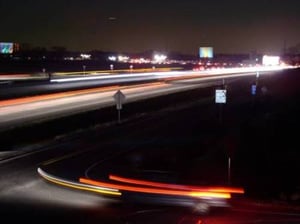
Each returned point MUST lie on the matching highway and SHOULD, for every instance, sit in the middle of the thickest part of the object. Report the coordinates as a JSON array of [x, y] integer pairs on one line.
[[22, 85], [26, 110], [182, 141]]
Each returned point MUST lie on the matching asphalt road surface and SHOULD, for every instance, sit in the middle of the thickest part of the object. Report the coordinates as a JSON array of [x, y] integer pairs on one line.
[[185, 143]]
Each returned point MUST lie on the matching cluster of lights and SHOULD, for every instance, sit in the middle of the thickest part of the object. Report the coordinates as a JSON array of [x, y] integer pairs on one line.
[[112, 58], [119, 58], [157, 59], [85, 56], [140, 61], [78, 58]]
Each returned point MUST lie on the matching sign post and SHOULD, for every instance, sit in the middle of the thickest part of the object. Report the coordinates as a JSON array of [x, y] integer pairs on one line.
[[120, 99], [83, 67], [229, 170]]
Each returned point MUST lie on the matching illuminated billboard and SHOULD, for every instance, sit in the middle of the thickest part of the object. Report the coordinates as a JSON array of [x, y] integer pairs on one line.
[[270, 60], [6, 48], [206, 52]]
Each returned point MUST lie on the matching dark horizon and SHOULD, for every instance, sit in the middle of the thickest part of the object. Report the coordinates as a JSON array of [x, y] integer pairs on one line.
[[264, 26]]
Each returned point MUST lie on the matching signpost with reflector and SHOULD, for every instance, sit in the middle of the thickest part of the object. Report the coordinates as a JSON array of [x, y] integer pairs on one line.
[[120, 99]]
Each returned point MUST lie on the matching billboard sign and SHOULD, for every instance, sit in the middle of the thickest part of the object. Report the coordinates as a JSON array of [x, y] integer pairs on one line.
[[270, 60], [206, 52], [6, 48]]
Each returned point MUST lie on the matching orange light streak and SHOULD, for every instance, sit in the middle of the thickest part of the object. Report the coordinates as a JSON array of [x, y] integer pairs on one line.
[[32, 99], [7, 76], [175, 186], [156, 190]]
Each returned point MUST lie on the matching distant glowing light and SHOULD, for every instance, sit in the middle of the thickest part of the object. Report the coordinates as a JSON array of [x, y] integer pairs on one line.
[[270, 60], [206, 52], [6, 48], [159, 58], [85, 56], [112, 58], [69, 58], [122, 58], [139, 60]]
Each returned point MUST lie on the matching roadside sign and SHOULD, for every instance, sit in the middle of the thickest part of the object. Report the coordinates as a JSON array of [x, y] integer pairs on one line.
[[253, 89], [119, 98], [220, 95]]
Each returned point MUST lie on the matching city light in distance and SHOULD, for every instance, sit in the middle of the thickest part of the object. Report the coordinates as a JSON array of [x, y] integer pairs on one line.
[[159, 58]]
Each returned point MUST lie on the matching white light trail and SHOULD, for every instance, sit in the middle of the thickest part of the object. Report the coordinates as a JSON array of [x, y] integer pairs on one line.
[[172, 74]]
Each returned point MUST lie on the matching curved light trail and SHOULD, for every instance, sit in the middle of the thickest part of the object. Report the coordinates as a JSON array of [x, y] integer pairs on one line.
[[176, 186], [161, 191], [76, 185]]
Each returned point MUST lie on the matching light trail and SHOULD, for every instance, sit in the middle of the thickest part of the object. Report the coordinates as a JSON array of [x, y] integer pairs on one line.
[[52, 96], [97, 72], [76, 185], [130, 76], [164, 76], [14, 76], [22, 111], [175, 186], [174, 74], [152, 190]]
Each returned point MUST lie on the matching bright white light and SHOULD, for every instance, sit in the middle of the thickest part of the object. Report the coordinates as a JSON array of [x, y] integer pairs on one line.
[[122, 58], [159, 58], [170, 74], [270, 60], [69, 58], [112, 58], [85, 56]]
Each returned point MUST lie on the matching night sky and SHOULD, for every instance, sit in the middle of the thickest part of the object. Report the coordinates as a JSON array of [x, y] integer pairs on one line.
[[230, 26]]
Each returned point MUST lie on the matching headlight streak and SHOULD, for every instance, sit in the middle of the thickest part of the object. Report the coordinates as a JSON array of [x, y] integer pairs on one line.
[[115, 71], [76, 185], [125, 75], [171, 74], [164, 76]]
